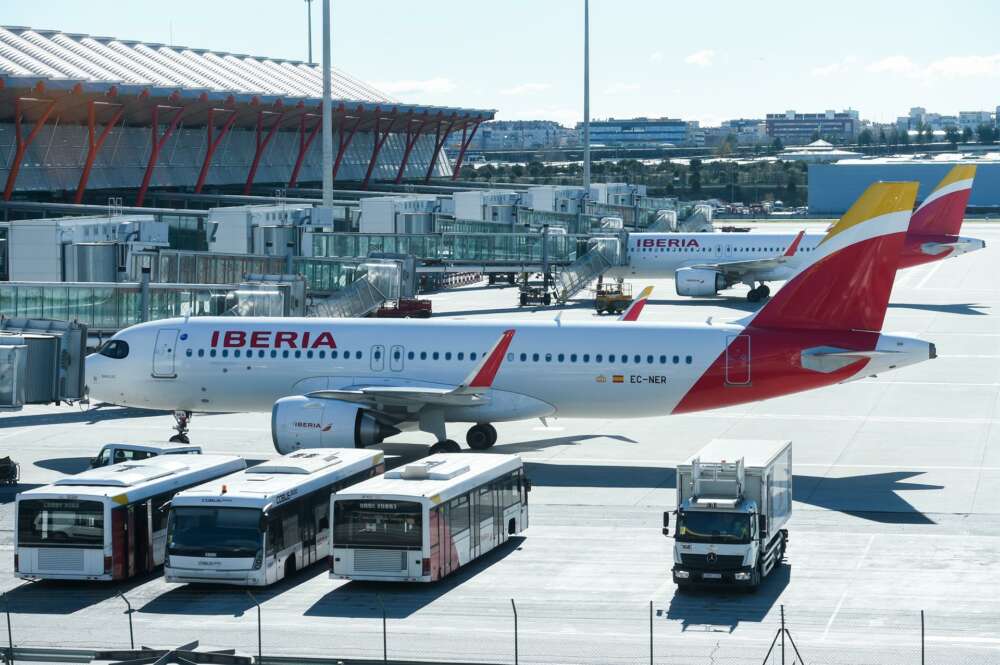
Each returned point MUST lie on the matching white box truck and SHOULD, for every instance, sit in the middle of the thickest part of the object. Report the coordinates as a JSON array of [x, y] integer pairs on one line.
[[734, 498]]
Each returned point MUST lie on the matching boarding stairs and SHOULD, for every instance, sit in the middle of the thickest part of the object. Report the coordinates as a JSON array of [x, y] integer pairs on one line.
[[376, 283], [602, 254]]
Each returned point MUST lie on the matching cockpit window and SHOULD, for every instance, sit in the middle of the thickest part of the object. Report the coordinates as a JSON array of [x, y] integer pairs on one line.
[[115, 348]]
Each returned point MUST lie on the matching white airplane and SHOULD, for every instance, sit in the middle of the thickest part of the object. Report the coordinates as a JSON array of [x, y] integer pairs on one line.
[[702, 264], [354, 382]]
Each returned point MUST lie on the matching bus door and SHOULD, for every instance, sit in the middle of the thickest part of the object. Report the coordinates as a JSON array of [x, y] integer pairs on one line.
[[486, 521], [440, 545], [473, 524], [396, 358], [378, 358], [164, 352], [307, 524], [141, 544]]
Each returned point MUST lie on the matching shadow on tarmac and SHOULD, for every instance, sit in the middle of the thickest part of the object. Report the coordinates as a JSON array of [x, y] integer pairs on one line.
[[221, 600], [9, 492], [69, 596], [871, 497], [722, 610], [68, 465], [75, 415], [365, 599], [963, 308]]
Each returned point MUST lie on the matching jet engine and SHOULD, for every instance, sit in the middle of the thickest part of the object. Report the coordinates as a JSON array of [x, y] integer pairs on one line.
[[698, 282], [306, 422]]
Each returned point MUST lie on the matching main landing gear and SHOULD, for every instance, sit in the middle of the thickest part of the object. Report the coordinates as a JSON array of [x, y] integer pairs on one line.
[[481, 436], [759, 293], [182, 418]]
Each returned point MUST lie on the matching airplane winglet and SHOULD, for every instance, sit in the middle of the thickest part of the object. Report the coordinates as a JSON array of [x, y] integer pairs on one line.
[[634, 308], [483, 374], [795, 244]]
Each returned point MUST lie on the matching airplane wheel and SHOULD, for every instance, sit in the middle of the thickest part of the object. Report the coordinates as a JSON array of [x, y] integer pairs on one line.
[[481, 436], [446, 446], [765, 291], [753, 295], [179, 438]]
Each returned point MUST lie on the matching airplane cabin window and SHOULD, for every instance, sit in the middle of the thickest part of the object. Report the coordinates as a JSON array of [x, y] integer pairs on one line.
[[274, 354], [236, 353], [357, 355], [284, 354], [447, 355], [423, 355], [309, 354], [435, 355], [611, 358], [572, 357], [410, 355], [460, 356], [534, 357], [649, 359], [524, 357], [599, 358], [225, 353], [586, 357], [677, 359], [212, 353], [201, 353], [548, 357], [687, 359], [472, 356], [562, 357], [637, 358], [115, 348], [333, 355], [298, 353], [663, 360], [322, 354], [188, 353]]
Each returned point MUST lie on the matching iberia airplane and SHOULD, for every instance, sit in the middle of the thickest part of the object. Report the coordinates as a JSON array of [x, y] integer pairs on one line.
[[702, 264], [353, 382]]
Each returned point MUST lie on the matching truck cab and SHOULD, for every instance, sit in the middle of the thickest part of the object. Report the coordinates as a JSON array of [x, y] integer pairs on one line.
[[733, 499]]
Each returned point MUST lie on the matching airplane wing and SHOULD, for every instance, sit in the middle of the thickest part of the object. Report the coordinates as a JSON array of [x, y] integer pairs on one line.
[[634, 308], [741, 268], [469, 392]]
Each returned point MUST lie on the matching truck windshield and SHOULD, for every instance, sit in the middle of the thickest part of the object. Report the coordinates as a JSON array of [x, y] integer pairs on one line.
[[704, 527], [383, 524], [60, 523], [221, 532]]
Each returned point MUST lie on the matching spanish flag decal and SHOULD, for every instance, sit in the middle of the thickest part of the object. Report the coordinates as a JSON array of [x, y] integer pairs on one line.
[[617, 378]]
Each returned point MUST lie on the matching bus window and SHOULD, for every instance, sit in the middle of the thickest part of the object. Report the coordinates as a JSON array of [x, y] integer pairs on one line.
[[509, 493], [232, 532], [485, 504], [459, 519], [45, 523], [395, 524]]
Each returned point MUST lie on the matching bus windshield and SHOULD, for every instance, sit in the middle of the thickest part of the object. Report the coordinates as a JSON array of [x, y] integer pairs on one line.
[[60, 523], [226, 532], [704, 527], [391, 524]]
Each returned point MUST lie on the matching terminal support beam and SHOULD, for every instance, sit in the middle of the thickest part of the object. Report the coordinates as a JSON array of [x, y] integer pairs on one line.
[[23, 143], [378, 140], [411, 140], [304, 143], [343, 142], [262, 144], [212, 144], [466, 142], [94, 146], [439, 139], [156, 145]]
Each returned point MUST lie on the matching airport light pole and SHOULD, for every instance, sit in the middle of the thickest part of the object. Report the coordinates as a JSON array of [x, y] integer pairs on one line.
[[327, 112], [586, 98], [309, 28]]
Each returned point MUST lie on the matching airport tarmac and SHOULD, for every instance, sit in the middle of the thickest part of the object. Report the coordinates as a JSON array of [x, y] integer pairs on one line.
[[897, 488]]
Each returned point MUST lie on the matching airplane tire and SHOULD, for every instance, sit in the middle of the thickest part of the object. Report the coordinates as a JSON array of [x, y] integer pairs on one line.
[[765, 291], [481, 436], [179, 438], [753, 295], [446, 446]]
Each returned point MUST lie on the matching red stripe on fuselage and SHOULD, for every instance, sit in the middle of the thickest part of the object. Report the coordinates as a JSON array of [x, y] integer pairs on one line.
[[775, 367]]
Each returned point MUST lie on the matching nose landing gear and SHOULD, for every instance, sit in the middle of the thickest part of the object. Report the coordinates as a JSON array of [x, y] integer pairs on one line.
[[182, 418]]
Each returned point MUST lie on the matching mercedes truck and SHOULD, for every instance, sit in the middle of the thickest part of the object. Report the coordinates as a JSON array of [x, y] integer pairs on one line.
[[734, 498]]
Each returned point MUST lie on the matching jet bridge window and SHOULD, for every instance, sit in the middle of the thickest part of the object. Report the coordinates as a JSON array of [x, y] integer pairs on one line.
[[116, 348]]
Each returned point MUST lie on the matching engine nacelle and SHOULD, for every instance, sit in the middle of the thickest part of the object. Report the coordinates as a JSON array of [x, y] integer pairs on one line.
[[304, 422], [698, 282]]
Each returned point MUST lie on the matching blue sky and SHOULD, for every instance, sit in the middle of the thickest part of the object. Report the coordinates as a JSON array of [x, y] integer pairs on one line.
[[708, 61]]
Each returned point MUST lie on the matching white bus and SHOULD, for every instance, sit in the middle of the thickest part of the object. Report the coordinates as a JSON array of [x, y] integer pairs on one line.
[[108, 523], [258, 526], [425, 520]]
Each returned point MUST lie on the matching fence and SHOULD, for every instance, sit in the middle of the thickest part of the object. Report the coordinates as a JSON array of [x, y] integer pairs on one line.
[[386, 623]]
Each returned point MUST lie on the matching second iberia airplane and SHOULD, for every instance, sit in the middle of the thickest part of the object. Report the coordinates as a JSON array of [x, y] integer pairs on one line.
[[702, 264], [354, 382]]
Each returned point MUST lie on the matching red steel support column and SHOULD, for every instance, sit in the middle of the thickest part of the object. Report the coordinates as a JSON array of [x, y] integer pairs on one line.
[[304, 143], [378, 140], [439, 140], [344, 143], [23, 143], [411, 140], [261, 145], [93, 147], [465, 146], [211, 145], [156, 145]]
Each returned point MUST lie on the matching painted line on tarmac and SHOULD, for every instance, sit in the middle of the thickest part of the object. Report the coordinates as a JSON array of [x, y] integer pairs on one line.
[[930, 273], [923, 420]]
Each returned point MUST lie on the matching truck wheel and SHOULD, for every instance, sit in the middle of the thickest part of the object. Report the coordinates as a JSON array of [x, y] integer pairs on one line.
[[754, 580]]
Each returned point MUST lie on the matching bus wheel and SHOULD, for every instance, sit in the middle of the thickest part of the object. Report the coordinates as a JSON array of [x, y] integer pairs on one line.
[[289, 566]]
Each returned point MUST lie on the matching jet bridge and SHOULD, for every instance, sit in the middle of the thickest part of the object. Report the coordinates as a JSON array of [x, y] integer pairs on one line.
[[41, 362], [378, 281]]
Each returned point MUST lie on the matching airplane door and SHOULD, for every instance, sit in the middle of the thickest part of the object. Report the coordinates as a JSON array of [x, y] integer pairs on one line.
[[164, 353], [378, 358], [396, 358], [738, 360]]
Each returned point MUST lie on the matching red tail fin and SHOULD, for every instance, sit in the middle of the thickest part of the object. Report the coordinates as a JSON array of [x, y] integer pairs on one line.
[[848, 284], [943, 210]]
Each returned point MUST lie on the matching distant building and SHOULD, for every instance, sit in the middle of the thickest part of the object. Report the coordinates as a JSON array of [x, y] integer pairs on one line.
[[517, 135], [800, 128], [816, 152], [643, 132], [973, 119]]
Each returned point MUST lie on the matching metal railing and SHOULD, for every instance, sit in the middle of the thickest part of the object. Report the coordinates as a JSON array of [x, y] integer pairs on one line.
[[468, 247]]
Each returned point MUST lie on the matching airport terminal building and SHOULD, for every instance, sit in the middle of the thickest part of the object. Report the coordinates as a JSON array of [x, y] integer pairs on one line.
[[80, 113]]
